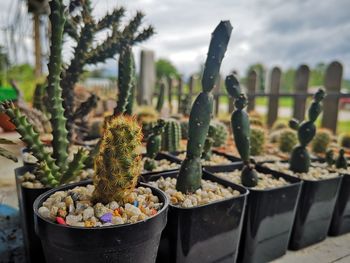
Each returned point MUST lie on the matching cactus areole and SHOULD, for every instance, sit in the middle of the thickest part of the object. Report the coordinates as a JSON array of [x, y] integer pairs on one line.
[[190, 174], [241, 131], [300, 159]]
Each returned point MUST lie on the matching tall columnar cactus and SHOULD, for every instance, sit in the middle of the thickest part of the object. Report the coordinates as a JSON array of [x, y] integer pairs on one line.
[[118, 162], [209, 142], [125, 79], [172, 136], [241, 131], [190, 174], [161, 96], [131, 99], [300, 159], [54, 169], [153, 145]]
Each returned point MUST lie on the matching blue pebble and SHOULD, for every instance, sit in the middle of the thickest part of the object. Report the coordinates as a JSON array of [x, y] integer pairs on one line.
[[106, 218], [136, 203]]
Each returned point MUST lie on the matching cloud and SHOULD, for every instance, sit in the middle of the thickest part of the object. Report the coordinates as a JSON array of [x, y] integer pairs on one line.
[[274, 32]]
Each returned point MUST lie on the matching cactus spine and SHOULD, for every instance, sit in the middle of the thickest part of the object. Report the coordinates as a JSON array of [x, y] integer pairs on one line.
[[190, 173], [153, 145], [161, 96], [300, 159], [172, 136], [118, 163], [241, 131]]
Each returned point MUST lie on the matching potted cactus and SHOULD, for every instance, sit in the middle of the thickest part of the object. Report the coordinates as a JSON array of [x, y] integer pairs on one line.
[[272, 198], [113, 219], [205, 213], [320, 186]]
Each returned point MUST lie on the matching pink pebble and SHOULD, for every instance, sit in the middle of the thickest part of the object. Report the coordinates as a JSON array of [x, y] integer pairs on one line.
[[60, 221]]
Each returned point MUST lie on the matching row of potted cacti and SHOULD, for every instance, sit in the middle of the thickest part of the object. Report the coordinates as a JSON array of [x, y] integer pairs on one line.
[[116, 218]]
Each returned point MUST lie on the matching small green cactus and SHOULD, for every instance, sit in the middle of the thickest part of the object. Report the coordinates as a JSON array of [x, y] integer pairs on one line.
[[241, 131], [184, 129], [341, 162], [344, 140], [256, 122], [209, 142], [321, 141], [329, 157], [118, 163], [257, 140], [287, 140], [221, 133], [161, 96], [171, 136], [190, 174], [300, 159], [279, 125], [153, 146]]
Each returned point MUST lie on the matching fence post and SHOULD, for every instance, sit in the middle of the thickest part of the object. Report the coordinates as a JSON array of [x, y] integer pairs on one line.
[[251, 89], [275, 83], [179, 93], [301, 82], [147, 78], [170, 93], [192, 84], [332, 83]]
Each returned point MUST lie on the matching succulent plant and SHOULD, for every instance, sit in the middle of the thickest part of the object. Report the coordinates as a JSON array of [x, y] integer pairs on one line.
[[184, 129], [118, 162], [241, 131], [256, 122], [55, 168], [190, 174], [321, 141], [171, 136], [300, 159], [185, 105], [279, 125], [154, 144], [344, 140], [340, 162], [257, 139], [161, 96], [209, 142], [221, 133], [287, 140]]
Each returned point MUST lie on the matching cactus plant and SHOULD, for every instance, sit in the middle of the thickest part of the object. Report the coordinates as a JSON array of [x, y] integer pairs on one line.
[[190, 174], [161, 96], [257, 139], [185, 105], [241, 131], [341, 162], [256, 122], [321, 141], [171, 136], [209, 142], [54, 168], [118, 163], [221, 133], [300, 159], [287, 140], [184, 129], [344, 140], [153, 145], [279, 125]]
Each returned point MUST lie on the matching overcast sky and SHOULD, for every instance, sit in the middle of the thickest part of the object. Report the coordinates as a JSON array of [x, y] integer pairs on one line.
[[274, 32]]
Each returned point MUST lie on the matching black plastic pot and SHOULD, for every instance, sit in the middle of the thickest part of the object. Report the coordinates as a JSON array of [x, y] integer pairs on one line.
[[268, 218], [314, 212], [26, 197], [207, 233], [234, 160], [132, 243], [340, 223]]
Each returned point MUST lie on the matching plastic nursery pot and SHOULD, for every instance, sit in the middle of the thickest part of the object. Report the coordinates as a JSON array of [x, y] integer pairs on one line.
[[26, 197], [160, 156], [314, 212], [234, 160], [206, 233], [134, 243], [340, 223], [268, 218]]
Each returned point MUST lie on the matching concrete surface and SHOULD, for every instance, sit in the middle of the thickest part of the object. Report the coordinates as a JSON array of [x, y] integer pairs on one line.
[[329, 251]]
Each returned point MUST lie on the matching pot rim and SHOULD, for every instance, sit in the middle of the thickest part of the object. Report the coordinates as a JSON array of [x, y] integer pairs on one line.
[[39, 199]]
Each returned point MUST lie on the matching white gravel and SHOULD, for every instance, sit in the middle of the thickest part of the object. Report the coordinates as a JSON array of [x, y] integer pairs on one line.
[[214, 160], [162, 165]]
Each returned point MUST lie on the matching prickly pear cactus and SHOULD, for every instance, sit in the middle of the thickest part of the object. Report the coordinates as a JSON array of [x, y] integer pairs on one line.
[[153, 145], [241, 131], [209, 142], [344, 140], [341, 161], [118, 162], [300, 159], [171, 136], [190, 174]]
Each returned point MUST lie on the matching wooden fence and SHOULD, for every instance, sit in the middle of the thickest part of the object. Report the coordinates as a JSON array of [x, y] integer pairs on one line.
[[332, 86]]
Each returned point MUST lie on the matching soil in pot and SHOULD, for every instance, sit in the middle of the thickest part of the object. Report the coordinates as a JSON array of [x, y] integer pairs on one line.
[[75, 229], [269, 215], [204, 226], [316, 204]]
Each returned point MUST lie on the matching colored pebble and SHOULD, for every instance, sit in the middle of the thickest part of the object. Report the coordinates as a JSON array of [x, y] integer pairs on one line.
[[136, 203], [60, 221], [106, 218], [153, 212], [116, 212]]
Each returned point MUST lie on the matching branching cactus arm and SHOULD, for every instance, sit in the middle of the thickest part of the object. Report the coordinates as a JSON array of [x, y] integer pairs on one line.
[[189, 179]]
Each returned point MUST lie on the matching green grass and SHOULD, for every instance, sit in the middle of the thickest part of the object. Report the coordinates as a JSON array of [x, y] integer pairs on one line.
[[283, 102]]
